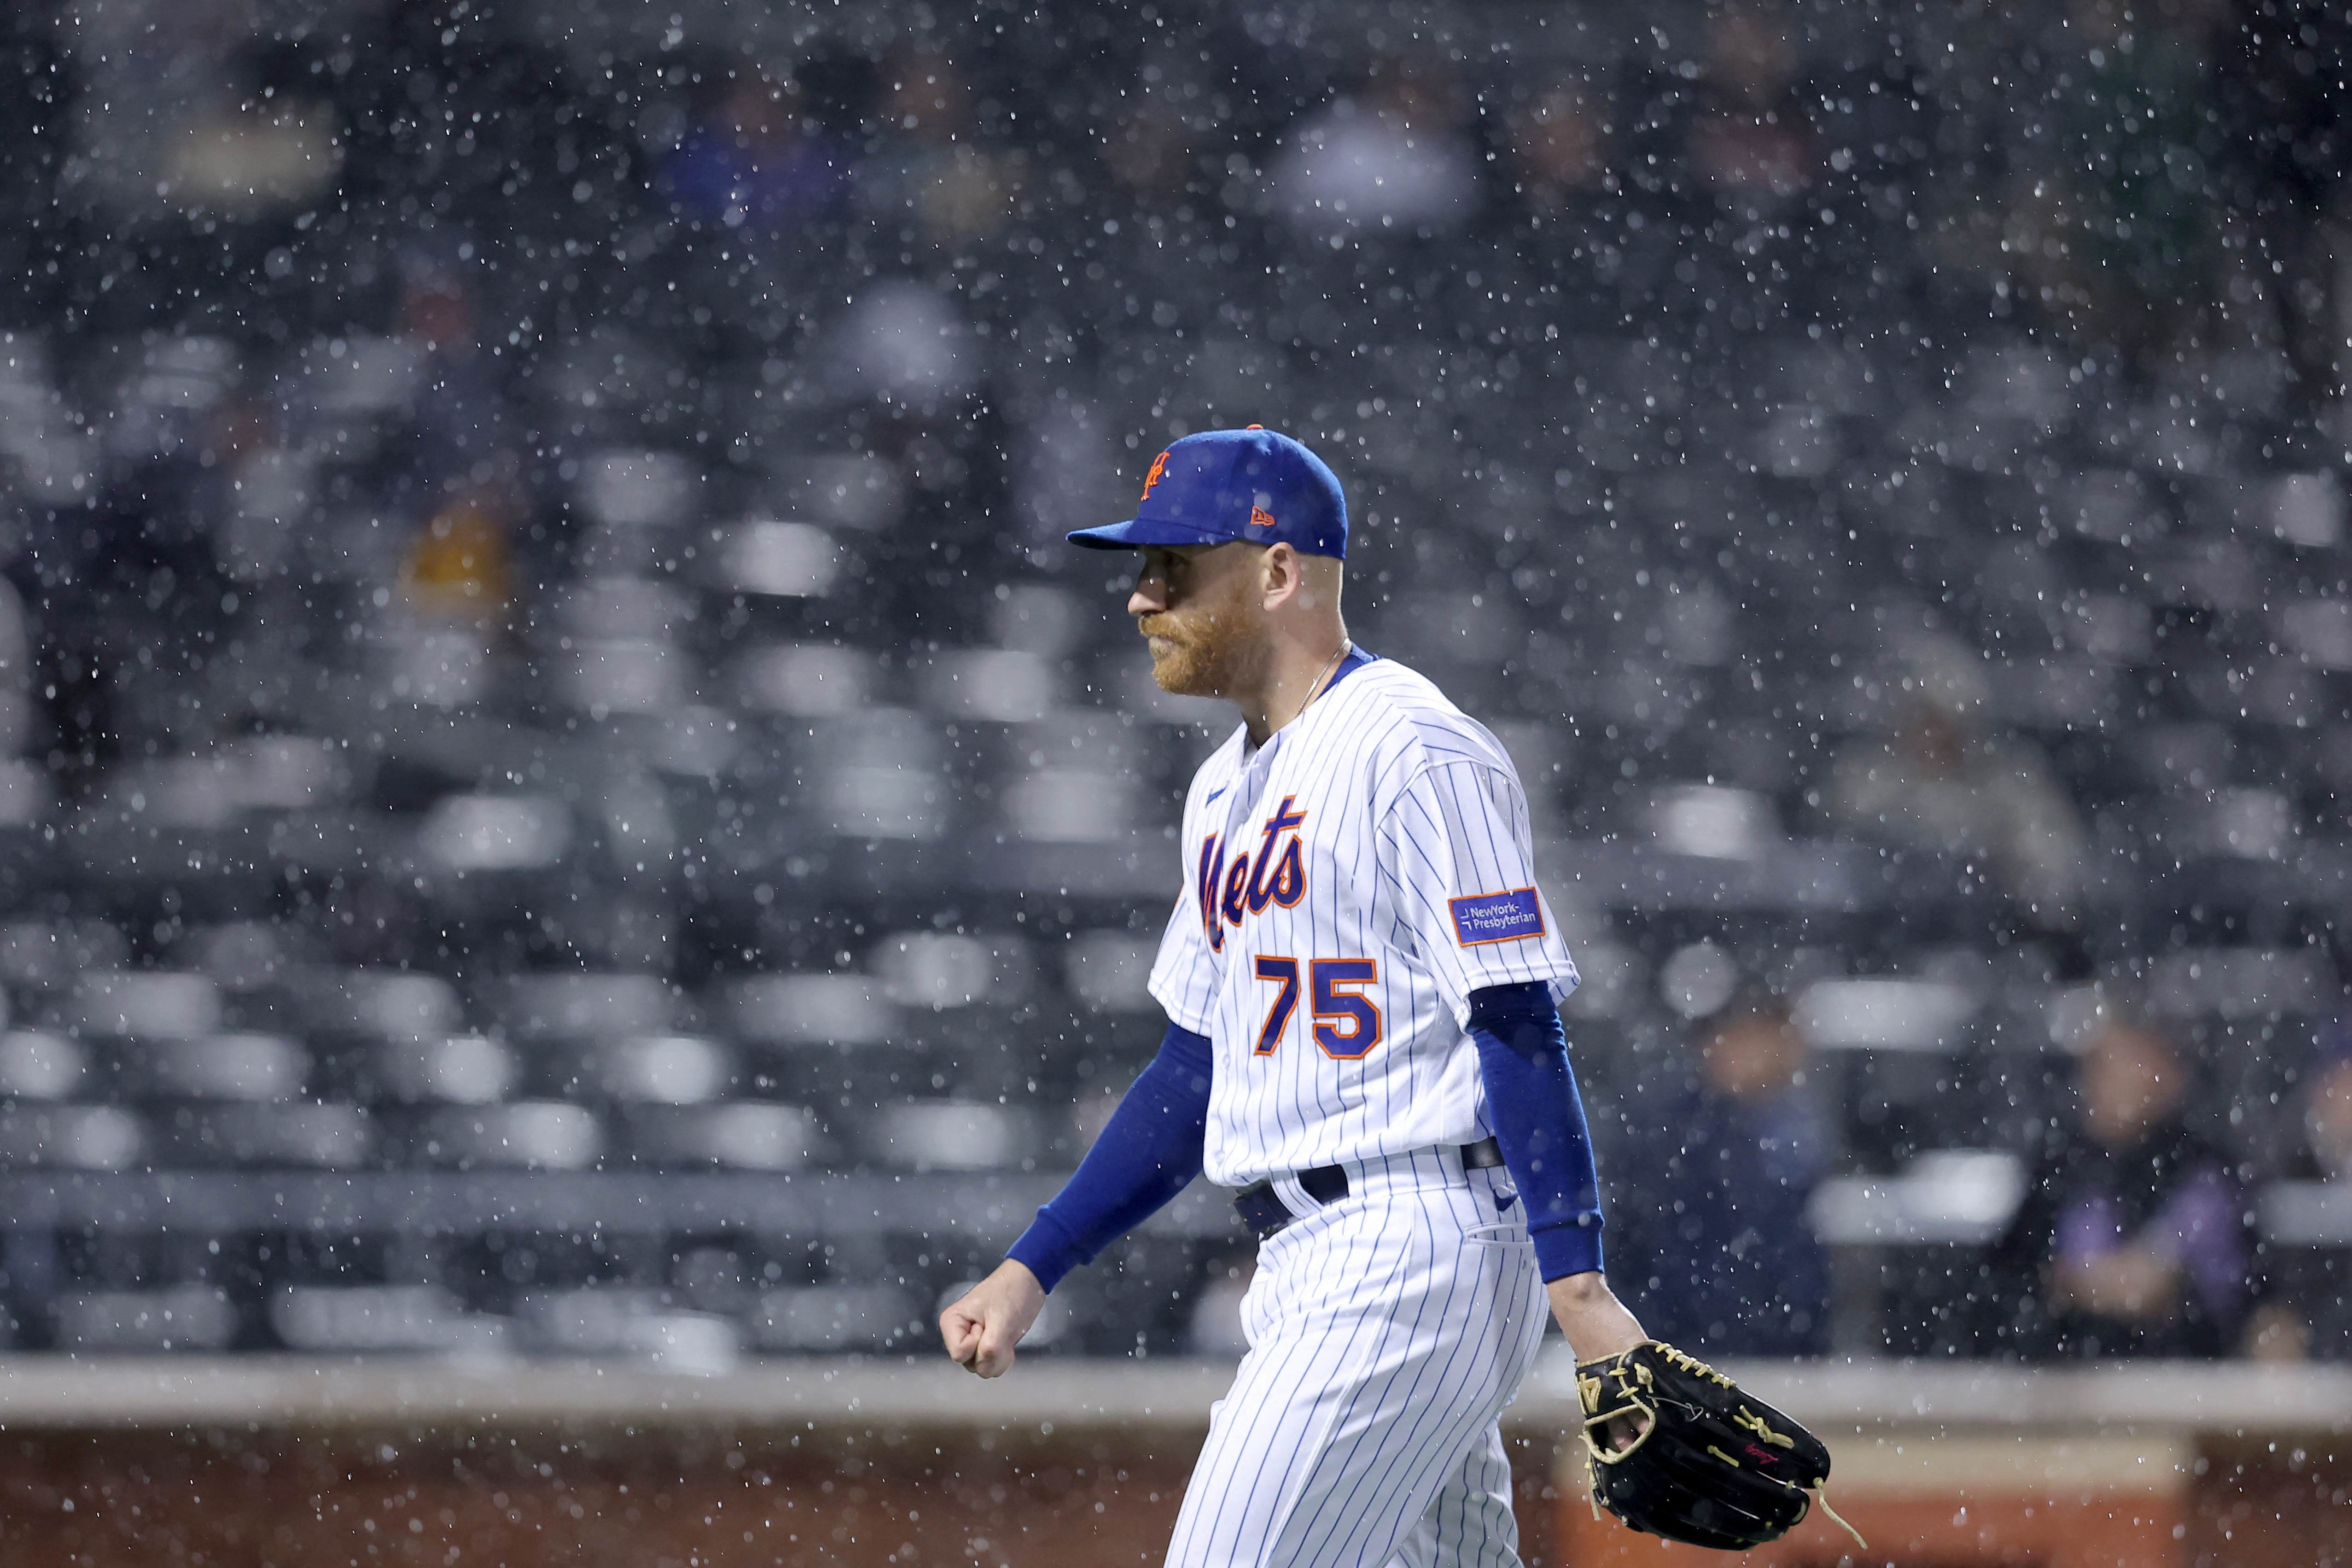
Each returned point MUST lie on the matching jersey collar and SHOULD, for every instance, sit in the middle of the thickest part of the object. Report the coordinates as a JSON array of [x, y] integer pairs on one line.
[[1355, 660]]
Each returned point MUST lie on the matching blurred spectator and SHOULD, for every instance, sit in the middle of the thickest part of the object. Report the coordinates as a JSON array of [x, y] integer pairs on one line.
[[1939, 780], [2111, 240], [758, 160], [15, 676], [459, 417], [270, 140], [2281, 142], [1152, 145], [2310, 1305], [910, 355], [456, 569], [264, 499], [133, 594], [1390, 155], [436, 313], [1559, 144], [2134, 119], [2134, 1238], [224, 125], [2326, 1153], [927, 165], [1149, 151], [1709, 1236], [1751, 135]]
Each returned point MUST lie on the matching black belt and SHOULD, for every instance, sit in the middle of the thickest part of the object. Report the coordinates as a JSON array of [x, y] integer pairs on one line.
[[1265, 1212]]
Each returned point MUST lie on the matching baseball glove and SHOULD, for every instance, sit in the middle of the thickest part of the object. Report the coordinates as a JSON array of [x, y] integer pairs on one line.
[[1711, 1464]]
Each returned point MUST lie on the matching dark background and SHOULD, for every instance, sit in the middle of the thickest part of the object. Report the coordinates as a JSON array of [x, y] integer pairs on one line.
[[398, 401]]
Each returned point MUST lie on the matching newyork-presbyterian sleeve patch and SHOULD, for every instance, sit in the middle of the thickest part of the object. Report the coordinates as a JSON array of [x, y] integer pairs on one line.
[[1497, 917]]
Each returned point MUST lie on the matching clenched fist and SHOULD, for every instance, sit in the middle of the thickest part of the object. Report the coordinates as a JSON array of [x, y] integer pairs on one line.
[[983, 1325]]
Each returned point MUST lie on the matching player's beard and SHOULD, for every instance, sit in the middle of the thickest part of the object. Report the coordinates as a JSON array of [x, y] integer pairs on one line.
[[1212, 653]]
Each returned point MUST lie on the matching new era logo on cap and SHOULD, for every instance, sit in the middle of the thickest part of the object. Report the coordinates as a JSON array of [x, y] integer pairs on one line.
[[1219, 485]]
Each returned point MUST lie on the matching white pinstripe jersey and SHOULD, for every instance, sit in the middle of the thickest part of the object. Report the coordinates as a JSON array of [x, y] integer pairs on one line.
[[1349, 885]]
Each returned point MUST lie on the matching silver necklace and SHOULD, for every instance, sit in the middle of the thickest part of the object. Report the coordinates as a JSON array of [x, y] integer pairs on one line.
[[1315, 689]]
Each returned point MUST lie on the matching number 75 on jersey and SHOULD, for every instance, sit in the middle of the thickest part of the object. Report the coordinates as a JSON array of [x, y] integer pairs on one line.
[[1347, 1023]]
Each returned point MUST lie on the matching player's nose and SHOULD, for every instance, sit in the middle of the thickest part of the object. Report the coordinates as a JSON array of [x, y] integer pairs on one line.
[[1149, 597]]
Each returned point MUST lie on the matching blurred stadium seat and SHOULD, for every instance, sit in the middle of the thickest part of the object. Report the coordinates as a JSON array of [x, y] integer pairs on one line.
[[514, 674]]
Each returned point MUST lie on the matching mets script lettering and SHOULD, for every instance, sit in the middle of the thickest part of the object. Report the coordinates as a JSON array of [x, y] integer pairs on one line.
[[1277, 875]]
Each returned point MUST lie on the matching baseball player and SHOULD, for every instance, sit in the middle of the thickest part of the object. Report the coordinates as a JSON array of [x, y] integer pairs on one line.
[[1361, 981]]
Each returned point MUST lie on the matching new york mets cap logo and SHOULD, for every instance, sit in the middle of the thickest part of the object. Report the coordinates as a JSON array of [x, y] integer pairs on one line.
[[1255, 484]]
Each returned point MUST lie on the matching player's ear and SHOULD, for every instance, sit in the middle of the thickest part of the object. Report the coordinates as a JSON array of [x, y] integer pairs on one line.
[[1280, 576]]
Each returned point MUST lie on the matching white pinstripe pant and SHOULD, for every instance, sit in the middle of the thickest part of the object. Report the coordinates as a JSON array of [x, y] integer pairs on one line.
[[1387, 1332]]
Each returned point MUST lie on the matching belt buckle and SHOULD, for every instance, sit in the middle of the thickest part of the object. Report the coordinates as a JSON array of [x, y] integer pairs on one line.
[[1262, 1209]]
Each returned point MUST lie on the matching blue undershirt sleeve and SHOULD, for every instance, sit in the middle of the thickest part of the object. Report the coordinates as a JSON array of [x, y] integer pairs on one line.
[[1147, 1153], [1539, 1122]]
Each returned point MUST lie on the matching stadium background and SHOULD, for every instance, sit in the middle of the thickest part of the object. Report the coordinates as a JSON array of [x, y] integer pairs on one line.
[[571, 825]]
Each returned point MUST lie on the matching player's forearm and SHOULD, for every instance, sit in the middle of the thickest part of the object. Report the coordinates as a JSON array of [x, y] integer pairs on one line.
[[1540, 1122], [1148, 1152], [1590, 1317]]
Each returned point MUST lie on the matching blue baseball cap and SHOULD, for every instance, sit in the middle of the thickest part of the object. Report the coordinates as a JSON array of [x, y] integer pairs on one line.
[[1222, 485]]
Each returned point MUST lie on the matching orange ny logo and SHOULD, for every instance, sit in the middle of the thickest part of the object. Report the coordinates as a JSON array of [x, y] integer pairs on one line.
[[1158, 467]]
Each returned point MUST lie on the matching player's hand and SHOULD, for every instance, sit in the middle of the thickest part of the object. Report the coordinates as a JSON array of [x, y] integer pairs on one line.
[[1598, 1326], [983, 1325]]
